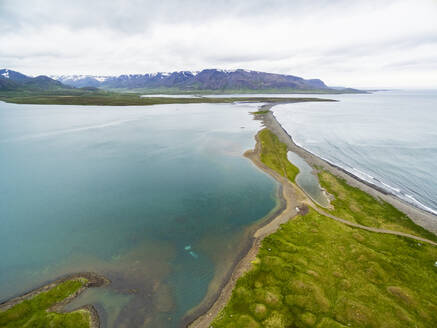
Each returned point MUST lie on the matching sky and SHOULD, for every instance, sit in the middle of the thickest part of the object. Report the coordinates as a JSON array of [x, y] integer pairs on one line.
[[372, 44]]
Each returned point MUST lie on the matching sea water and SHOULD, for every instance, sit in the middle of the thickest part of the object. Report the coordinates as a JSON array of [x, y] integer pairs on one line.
[[157, 198], [388, 138]]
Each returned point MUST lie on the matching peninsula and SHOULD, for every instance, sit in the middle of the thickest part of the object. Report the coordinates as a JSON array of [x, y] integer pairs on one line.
[[359, 262]]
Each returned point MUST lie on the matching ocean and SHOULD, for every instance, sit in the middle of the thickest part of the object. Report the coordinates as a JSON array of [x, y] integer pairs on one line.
[[388, 138]]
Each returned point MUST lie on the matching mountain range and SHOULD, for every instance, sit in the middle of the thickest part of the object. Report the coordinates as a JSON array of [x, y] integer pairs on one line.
[[207, 79], [14, 81], [215, 80]]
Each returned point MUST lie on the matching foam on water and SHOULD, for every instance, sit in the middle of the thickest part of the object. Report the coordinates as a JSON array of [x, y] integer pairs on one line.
[[387, 139]]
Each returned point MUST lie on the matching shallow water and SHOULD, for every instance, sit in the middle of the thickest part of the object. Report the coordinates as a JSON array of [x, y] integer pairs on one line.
[[386, 138], [307, 180], [157, 198]]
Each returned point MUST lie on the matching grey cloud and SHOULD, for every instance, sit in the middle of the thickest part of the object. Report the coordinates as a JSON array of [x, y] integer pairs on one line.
[[339, 41]]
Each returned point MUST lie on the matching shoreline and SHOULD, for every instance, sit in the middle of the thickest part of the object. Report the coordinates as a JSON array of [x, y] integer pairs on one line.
[[94, 280], [209, 299], [292, 199], [419, 216], [289, 197]]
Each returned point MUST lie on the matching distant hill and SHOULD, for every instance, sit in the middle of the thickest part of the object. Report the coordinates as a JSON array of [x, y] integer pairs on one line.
[[207, 79], [14, 81]]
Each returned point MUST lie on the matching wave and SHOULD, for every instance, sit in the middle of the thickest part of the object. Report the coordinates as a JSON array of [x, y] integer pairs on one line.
[[375, 181], [371, 180]]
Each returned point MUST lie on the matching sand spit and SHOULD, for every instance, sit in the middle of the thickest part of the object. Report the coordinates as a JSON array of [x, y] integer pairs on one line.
[[293, 198], [296, 200], [425, 219]]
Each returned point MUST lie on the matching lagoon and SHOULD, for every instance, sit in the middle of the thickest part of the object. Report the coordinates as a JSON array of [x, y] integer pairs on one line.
[[159, 199]]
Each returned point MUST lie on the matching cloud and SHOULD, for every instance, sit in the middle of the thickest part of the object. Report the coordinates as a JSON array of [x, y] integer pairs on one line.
[[354, 43]]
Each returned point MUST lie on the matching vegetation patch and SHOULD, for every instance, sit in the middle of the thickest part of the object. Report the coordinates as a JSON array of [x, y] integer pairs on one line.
[[261, 112], [355, 205], [317, 272], [87, 96], [35, 311], [330, 278], [274, 155]]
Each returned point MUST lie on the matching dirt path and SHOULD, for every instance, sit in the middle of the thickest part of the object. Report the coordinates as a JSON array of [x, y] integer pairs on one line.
[[356, 225], [420, 217]]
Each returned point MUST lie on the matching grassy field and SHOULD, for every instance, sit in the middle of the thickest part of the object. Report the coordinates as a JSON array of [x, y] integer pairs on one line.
[[317, 272], [260, 112], [355, 205], [106, 98], [33, 312], [274, 155]]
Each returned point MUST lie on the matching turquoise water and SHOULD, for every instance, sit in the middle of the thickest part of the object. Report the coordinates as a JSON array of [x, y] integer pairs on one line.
[[158, 198], [387, 138]]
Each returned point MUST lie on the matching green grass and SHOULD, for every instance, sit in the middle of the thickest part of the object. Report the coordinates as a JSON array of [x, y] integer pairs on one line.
[[33, 312], [274, 155], [260, 112], [316, 272], [355, 205], [107, 98]]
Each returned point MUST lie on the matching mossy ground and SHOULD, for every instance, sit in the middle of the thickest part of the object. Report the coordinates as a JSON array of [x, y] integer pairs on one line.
[[355, 205], [274, 155], [261, 112], [316, 272], [33, 312]]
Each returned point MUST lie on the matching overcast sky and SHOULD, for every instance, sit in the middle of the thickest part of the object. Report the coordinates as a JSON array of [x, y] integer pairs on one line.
[[352, 43]]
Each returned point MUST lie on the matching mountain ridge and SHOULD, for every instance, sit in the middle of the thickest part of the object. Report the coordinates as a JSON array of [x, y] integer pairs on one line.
[[11, 80], [207, 79]]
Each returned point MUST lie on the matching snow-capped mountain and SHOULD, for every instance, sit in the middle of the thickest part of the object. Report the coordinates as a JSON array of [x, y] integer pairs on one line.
[[207, 79], [11, 81]]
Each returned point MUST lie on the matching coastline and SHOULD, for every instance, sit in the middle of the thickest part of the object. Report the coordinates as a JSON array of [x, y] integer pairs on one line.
[[94, 280], [288, 198], [292, 199], [419, 216], [295, 197], [213, 293]]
